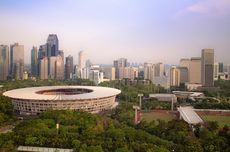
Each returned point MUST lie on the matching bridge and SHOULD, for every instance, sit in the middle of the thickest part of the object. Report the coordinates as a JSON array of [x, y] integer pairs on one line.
[[189, 115]]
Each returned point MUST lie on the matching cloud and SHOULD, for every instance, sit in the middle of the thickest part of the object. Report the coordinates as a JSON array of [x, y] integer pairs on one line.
[[208, 7]]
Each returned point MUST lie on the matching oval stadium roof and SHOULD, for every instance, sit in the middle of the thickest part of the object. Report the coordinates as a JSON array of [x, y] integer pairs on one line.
[[31, 93]]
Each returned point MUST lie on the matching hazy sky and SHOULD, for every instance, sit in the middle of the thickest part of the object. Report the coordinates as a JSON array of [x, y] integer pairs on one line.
[[140, 30]]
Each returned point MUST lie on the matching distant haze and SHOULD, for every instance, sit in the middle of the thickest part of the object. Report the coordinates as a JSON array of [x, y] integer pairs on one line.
[[139, 30]]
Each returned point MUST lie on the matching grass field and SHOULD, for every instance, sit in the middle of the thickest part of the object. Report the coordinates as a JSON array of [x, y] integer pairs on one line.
[[150, 116], [222, 120]]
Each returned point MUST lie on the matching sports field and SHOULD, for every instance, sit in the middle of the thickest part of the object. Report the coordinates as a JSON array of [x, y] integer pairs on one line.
[[222, 120], [155, 115]]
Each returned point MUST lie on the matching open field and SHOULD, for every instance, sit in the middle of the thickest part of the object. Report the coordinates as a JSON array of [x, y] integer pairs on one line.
[[154, 115], [222, 120]]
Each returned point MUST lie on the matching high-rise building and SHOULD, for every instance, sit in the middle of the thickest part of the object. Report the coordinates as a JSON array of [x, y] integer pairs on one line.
[[149, 71], [207, 64], [69, 67], [17, 61], [174, 76], [128, 73], [159, 70], [43, 68], [34, 62], [109, 73], [195, 71], [184, 63], [61, 53], [96, 76], [82, 65], [59, 68], [221, 67], [4, 62], [216, 71], [82, 59], [183, 75], [120, 63], [52, 45], [42, 52], [51, 67]]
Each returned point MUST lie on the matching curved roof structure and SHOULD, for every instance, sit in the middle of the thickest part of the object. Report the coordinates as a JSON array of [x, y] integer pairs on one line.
[[62, 93]]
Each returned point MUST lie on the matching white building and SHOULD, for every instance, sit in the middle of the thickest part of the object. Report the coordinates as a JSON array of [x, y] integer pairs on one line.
[[96, 76], [164, 97]]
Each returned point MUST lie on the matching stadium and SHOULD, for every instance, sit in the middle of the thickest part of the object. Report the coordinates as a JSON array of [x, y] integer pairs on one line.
[[34, 100]]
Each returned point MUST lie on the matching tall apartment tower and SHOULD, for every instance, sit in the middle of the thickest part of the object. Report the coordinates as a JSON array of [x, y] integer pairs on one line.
[[184, 70], [16, 61], [82, 59], [149, 71], [4, 62], [59, 68], [207, 67], [120, 63], [34, 62], [159, 70], [174, 76], [52, 45], [82, 64], [216, 71], [43, 68], [69, 67], [195, 70]]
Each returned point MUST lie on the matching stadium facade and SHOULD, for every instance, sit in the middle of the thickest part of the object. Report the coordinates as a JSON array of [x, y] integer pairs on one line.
[[32, 101]]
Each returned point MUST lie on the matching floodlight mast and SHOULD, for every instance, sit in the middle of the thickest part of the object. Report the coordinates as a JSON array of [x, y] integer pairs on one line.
[[140, 95]]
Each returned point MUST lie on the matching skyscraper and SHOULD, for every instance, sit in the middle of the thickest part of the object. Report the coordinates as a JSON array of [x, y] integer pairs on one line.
[[34, 62], [59, 68], [149, 71], [221, 67], [4, 62], [120, 63], [82, 65], [183, 75], [159, 70], [52, 62], [17, 61], [195, 70], [82, 59], [52, 45], [184, 63], [174, 76], [216, 71], [207, 64], [43, 68], [69, 67], [42, 52]]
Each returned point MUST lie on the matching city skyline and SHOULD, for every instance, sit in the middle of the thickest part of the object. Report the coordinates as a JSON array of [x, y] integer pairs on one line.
[[143, 31]]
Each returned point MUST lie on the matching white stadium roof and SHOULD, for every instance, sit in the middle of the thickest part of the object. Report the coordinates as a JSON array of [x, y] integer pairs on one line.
[[31, 93]]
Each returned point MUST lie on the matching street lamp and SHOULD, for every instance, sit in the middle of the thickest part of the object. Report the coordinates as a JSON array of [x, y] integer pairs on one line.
[[137, 116]]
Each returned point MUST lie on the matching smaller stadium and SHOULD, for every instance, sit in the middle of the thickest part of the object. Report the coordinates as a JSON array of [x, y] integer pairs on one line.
[[34, 100]]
